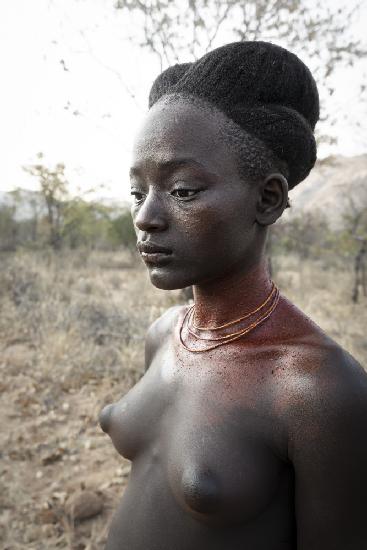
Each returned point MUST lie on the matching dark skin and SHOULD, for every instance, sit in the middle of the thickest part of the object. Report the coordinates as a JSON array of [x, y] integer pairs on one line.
[[259, 444]]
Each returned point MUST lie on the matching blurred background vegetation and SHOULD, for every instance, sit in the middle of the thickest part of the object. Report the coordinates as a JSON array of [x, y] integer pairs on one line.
[[50, 218]]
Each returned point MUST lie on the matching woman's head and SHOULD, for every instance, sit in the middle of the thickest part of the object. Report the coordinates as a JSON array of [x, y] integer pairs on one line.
[[211, 161], [266, 90]]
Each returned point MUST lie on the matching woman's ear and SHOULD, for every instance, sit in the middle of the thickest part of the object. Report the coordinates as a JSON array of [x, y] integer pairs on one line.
[[272, 199]]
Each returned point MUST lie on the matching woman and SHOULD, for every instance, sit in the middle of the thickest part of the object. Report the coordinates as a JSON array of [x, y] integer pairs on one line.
[[247, 430]]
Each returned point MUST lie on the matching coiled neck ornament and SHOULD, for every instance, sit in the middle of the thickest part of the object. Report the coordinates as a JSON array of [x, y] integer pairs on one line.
[[209, 338]]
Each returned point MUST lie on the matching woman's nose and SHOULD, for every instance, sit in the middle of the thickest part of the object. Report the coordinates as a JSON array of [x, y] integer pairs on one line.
[[151, 216]]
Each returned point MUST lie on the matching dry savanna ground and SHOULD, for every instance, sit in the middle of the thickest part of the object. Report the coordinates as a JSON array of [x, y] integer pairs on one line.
[[71, 340]]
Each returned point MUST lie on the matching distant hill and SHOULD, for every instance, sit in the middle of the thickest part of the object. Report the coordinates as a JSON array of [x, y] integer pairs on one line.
[[329, 188]]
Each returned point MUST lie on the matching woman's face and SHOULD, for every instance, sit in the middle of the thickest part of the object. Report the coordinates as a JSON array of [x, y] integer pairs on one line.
[[194, 216]]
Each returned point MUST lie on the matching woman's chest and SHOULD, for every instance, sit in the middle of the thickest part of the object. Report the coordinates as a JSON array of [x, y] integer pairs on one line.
[[209, 438]]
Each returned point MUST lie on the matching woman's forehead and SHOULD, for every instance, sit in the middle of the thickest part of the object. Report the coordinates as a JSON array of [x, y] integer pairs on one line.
[[181, 130]]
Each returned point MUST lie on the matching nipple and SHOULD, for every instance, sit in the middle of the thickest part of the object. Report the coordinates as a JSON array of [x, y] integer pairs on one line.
[[105, 417], [200, 490]]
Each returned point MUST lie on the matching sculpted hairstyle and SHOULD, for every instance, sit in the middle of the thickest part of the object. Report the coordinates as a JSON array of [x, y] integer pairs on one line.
[[264, 89]]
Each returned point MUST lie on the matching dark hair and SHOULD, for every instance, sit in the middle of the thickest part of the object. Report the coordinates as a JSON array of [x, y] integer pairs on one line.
[[266, 91]]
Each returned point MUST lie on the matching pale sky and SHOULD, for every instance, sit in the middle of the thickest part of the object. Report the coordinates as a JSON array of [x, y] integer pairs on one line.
[[65, 65]]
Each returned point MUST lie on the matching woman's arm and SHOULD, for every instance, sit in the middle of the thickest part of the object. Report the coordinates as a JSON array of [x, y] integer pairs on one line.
[[328, 448]]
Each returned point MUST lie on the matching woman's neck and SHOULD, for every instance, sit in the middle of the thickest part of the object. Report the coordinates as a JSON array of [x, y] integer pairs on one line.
[[233, 296]]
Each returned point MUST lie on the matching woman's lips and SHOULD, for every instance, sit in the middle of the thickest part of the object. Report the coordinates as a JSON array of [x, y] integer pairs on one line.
[[153, 253], [158, 258]]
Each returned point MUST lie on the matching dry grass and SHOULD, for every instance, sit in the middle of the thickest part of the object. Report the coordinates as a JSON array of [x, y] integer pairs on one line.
[[71, 339]]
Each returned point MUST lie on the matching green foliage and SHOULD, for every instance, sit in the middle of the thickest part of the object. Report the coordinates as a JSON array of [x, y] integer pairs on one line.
[[72, 222], [122, 230], [54, 191], [53, 218], [354, 230], [307, 236], [85, 224]]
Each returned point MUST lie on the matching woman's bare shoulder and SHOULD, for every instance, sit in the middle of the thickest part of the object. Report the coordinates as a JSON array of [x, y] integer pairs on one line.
[[160, 329], [314, 373], [318, 382]]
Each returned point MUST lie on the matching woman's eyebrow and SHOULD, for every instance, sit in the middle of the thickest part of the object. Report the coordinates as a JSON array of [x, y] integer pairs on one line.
[[169, 166], [174, 164]]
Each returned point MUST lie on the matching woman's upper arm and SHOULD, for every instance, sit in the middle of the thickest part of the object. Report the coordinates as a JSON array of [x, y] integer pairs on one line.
[[328, 449]]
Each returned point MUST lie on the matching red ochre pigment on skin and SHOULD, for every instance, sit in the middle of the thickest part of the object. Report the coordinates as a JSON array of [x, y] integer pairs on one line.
[[258, 444]]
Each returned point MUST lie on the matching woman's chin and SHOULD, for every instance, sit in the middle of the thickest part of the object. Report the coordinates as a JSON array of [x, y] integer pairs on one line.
[[165, 280]]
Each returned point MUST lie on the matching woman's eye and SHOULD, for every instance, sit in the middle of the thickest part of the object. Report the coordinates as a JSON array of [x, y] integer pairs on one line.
[[138, 197], [184, 193]]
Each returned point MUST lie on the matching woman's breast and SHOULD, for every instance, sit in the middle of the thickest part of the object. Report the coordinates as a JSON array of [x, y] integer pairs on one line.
[[221, 469], [134, 423]]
